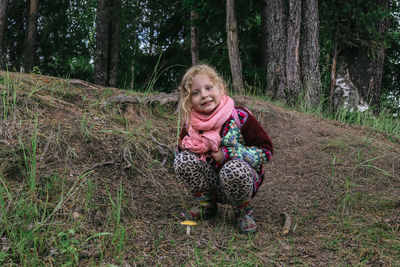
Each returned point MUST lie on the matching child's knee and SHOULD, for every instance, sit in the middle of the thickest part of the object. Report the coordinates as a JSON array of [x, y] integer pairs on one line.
[[236, 178], [185, 160], [234, 169]]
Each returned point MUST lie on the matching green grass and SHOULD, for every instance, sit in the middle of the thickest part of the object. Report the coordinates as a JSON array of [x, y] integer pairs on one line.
[[8, 96], [49, 217], [384, 122], [29, 153]]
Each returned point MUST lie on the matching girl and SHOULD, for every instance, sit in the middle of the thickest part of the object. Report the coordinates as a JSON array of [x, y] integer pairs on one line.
[[221, 148]]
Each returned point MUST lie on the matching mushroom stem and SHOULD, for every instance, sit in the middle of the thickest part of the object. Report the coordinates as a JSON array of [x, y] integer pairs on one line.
[[188, 224]]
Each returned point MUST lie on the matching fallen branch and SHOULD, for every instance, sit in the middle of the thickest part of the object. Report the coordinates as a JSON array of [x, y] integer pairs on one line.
[[121, 99], [287, 221], [161, 98], [84, 83], [52, 101], [97, 165]]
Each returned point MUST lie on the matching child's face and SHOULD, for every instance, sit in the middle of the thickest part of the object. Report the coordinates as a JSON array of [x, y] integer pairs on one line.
[[205, 96]]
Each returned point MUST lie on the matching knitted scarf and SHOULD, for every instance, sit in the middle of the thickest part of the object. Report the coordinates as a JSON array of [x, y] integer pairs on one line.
[[204, 129]]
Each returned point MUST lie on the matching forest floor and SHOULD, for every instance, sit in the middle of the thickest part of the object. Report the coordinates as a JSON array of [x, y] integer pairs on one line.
[[87, 180]]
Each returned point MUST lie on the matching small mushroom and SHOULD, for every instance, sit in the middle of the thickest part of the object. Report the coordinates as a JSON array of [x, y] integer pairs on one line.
[[188, 224]]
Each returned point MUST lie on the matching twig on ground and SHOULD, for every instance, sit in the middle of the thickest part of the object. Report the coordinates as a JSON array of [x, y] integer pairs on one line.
[[4, 142], [287, 223], [46, 147], [97, 165], [162, 148], [126, 158]]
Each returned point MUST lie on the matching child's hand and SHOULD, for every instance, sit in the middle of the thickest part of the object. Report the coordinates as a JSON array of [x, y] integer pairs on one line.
[[218, 156], [181, 147]]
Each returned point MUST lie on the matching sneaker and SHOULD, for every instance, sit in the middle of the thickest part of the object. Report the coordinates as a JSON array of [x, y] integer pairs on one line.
[[245, 220]]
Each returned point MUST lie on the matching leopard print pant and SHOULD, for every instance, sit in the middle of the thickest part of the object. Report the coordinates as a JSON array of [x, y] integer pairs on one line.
[[234, 182]]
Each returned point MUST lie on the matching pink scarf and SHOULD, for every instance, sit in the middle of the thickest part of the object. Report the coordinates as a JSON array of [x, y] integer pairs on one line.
[[210, 126]]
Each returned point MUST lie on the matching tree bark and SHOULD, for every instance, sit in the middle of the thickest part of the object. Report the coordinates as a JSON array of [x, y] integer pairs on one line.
[[106, 59], [3, 27], [276, 47], [114, 44], [102, 43], [310, 73], [293, 88], [264, 33], [366, 67], [292, 50], [333, 76], [30, 46], [233, 47], [194, 37], [346, 95]]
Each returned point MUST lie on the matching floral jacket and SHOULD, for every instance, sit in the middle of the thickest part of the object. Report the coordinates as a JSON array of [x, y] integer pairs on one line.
[[247, 141]]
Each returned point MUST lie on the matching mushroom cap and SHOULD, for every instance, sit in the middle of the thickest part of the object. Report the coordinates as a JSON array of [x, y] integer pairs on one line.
[[189, 223]]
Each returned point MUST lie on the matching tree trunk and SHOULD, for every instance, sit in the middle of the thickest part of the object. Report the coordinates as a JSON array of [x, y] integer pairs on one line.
[[114, 44], [367, 67], [233, 47], [333, 76], [293, 88], [30, 46], [292, 50], [3, 27], [276, 47], [102, 43], [310, 73], [264, 33], [194, 37], [106, 62], [346, 95]]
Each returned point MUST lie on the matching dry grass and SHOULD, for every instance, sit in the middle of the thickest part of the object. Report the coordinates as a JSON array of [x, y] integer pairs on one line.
[[105, 191]]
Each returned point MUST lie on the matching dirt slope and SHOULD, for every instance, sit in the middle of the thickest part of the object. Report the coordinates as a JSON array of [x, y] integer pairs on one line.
[[339, 183]]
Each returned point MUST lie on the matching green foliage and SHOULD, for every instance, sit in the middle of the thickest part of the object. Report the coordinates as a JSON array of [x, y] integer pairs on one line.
[[15, 34], [65, 37], [157, 33], [67, 245], [391, 74], [65, 33], [8, 97], [29, 153], [355, 24]]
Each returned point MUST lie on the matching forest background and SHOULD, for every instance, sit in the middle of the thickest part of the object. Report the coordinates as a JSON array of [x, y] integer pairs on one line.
[[87, 141], [287, 50]]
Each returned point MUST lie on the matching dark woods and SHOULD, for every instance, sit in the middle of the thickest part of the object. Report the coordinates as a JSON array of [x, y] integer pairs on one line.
[[305, 51]]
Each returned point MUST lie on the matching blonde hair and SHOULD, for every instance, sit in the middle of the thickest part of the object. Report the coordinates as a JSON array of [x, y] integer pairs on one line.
[[186, 83]]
